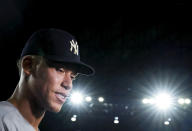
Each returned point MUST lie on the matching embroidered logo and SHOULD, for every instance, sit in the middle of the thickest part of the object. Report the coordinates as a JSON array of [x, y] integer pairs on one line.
[[74, 47]]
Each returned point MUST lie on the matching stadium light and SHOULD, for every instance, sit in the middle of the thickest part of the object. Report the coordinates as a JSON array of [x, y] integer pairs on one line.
[[101, 99], [74, 118], [116, 120], [148, 101], [187, 101], [166, 123], [88, 99], [181, 101], [169, 119], [76, 98], [163, 101], [145, 101]]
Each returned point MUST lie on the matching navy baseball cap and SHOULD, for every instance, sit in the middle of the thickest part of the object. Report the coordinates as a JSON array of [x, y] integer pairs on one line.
[[56, 45]]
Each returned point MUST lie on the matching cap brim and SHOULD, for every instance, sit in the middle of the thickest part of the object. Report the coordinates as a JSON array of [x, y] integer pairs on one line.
[[85, 69], [80, 67]]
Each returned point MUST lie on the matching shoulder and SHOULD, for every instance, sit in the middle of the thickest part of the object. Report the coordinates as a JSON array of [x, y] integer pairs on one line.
[[6, 108], [7, 111], [11, 119]]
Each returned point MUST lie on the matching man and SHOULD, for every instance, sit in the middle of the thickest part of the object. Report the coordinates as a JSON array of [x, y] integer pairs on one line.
[[49, 63]]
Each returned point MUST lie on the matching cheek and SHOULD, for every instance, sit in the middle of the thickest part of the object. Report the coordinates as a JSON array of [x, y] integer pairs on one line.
[[47, 80], [46, 83], [51, 82], [53, 78]]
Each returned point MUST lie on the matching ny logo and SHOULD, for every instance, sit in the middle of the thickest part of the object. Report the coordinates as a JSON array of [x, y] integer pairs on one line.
[[74, 47]]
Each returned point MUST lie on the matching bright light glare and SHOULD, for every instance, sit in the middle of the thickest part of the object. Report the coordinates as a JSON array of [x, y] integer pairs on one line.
[[181, 101], [88, 98], [184, 101], [100, 99], [166, 122], [148, 101], [151, 101], [116, 118], [116, 121], [169, 119], [76, 98], [187, 101], [145, 101], [163, 101], [73, 119]]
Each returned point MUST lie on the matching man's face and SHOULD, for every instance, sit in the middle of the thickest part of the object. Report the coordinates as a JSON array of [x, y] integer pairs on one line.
[[50, 86]]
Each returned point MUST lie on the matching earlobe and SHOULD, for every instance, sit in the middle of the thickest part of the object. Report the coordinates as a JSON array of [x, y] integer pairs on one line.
[[27, 64]]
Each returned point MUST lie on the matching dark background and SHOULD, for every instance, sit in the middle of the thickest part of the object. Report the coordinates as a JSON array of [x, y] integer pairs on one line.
[[132, 46]]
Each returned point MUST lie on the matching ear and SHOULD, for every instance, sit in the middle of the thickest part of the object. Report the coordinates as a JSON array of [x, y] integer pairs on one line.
[[27, 64]]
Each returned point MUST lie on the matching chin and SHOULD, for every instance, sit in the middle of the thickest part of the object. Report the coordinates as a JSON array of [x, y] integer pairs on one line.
[[54, 108]]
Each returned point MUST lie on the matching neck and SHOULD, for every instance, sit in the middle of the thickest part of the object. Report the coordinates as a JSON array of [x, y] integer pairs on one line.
[[28, 108]]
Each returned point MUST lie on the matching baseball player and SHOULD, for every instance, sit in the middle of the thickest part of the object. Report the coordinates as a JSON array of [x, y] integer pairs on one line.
[[49, 62]]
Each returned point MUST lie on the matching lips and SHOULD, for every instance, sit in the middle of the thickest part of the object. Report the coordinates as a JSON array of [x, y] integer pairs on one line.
[[61, 97]]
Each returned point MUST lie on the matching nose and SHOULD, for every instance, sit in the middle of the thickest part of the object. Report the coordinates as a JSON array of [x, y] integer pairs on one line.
[[67, 81]]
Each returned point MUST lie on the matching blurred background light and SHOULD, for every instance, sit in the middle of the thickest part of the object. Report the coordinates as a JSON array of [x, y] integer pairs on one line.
[[145, 101], [187, 101], [116, 120], [163, 101], [76, 98], [181, 101], [166, 123], [74, 118], [88, 99], [169, 119], [101, 99]]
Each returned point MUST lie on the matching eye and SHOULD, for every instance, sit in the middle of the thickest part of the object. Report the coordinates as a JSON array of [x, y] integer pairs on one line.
[[60, 70], [74, 76]]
